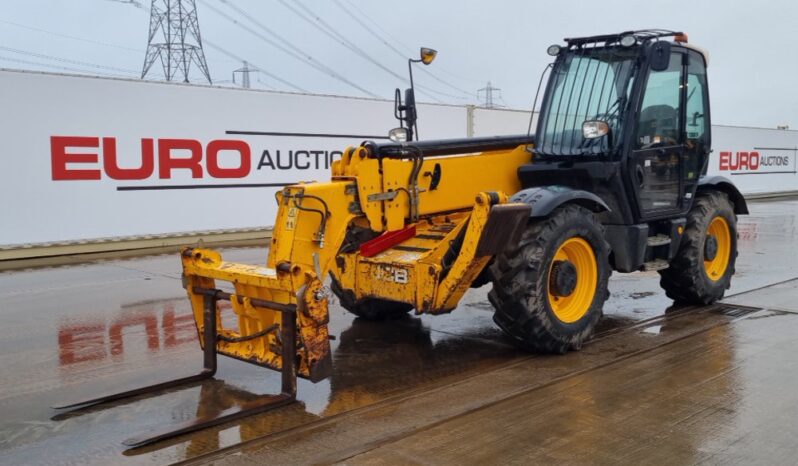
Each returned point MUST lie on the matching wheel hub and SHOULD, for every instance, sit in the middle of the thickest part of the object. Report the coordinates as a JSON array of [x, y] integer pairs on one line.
[[563, 278], [710, 248]]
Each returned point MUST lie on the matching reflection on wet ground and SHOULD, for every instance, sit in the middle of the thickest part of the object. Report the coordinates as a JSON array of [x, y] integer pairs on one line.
[[715, 397], [611, 403], [80, 331]]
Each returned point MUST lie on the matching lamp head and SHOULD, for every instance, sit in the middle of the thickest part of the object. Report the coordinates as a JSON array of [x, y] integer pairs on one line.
[[427, 55]]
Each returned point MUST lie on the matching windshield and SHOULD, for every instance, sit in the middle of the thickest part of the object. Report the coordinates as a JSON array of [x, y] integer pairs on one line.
[[587, 84]]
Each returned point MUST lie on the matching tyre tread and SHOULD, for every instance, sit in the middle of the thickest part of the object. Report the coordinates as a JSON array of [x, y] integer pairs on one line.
[[519, 284]]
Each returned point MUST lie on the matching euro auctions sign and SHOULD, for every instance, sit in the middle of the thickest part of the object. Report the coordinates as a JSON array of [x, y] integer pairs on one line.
[[87, 158], [758, 161], [75, 158]]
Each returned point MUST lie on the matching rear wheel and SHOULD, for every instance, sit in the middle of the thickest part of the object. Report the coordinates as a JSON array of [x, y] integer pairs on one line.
[[701, 271], [369, 308], [549, 291]]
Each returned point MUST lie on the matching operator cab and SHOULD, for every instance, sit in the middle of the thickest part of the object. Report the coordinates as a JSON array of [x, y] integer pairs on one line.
[[625, 116]]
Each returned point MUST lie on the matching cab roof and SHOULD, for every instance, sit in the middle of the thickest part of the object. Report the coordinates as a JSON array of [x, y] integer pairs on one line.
[[642, 35]]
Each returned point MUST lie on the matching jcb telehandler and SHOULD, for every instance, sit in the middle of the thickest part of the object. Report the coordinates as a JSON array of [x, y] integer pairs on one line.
[[612, 180]]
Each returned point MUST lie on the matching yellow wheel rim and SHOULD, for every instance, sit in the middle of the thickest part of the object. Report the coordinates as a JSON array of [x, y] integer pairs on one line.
[[580, 254], [716, 268]]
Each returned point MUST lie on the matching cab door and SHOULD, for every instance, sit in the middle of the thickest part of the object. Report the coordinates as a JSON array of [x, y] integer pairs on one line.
[[656, 160]]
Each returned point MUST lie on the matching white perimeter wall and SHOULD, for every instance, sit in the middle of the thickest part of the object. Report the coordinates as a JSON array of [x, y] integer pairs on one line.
[[37, 206]]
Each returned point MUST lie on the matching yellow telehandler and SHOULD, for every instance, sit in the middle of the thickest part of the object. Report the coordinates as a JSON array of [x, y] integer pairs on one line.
[[612, 180]]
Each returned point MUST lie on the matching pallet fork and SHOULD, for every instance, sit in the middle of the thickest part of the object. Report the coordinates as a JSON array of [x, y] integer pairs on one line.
[[210, 338]]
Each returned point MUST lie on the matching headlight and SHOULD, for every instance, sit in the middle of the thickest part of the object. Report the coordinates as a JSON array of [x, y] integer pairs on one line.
[[593, 129], [398, 135], [628, 40], [554, 50]]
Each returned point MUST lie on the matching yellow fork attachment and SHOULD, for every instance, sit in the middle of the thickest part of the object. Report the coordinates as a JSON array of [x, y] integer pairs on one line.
[[281, 323], [262, 299]]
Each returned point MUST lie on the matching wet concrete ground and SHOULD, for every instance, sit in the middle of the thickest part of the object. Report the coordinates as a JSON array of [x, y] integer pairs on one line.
[[439, 389]]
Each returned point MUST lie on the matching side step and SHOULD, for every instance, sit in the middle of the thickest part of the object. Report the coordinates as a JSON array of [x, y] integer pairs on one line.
[[656, 264], [658, 240]]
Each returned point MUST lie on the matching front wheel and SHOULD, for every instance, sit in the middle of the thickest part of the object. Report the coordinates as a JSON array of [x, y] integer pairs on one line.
[[701, 271], [549, 291]]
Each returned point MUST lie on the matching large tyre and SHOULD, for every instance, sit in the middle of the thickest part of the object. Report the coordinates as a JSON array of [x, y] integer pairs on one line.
[[703, 266], [550, 290], [369, 308]]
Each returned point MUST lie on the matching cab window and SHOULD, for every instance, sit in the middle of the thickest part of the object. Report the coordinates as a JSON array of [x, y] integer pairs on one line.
[[697, 116], [659, 121]]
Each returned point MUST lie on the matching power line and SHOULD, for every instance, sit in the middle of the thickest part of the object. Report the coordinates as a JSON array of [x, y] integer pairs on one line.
[[377, 24], [239, 59], [309, 16], [257, 78], [407, 47], [288, 48], [67, 60], [67, 36], [368, 28], [58, 67], [135, 3]]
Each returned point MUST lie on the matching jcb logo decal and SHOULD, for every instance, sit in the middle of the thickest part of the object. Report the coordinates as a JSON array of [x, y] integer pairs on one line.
[[387, 273]]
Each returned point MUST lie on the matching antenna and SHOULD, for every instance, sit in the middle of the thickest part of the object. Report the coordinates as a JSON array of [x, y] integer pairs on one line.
[[488, 91], [179, 43]]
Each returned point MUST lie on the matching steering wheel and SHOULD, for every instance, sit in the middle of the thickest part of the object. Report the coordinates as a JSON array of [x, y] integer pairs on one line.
[[663, 142]]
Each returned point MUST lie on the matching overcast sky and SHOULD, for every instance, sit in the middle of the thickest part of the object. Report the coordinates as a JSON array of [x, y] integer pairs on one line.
[[753, 68]]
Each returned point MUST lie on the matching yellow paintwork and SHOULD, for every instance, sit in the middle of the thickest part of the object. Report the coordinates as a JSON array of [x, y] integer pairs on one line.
[[411, 272], [573, 307], [463, 176], [716, 268], [301, 254]]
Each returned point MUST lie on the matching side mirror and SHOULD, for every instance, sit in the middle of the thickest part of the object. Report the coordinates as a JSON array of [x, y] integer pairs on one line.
[[410, 107], [397, 105], [592, 129], [659, 55], [398, 135]]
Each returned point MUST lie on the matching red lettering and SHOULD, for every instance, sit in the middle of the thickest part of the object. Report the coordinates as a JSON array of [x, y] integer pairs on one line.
[[177, 329], [59, 158], [112, 168], [166, 163], [212, 157], [753, 160], [724, 160], [742, 159], [734, 163], [81, 343], [150, 323], [169, 158]]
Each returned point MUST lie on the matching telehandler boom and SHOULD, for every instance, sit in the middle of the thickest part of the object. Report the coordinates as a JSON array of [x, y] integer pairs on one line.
[[611, 181]]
